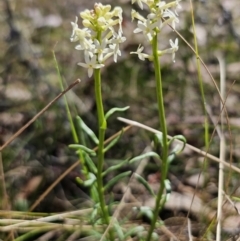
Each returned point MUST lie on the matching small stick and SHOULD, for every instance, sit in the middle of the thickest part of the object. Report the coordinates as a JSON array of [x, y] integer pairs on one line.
[[38, 114], [203, 153]]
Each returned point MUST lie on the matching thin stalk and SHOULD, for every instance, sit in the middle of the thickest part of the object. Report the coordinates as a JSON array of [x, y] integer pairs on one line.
[[102, 125], [73, 129], [222, 149], [206, 122], [85, 171], [163, 127]]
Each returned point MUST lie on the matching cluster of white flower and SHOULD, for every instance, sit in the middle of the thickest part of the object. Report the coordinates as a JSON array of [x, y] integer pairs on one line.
[[98, 39], [159, 16]]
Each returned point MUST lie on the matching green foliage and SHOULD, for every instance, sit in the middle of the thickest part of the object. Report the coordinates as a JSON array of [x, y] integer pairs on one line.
[[116, 179], [145, 184], [112, 143], [113, 110], [82, 148], [82, 126]]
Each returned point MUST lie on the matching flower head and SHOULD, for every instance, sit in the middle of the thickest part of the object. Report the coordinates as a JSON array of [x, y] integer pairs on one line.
[[98, 39], [161, 14]]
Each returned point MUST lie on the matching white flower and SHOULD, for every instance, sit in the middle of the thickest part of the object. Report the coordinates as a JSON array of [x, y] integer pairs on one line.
[[156, 18], [115, 41], [90, 63], [147, 27], [80, 35], [141, 56], [100, 49], [177, 6], [75, 27], [171, 18], [139, 2], [174, 4], [85, 44], [135, 14], [172, 50], [161, 6], [118, 13]]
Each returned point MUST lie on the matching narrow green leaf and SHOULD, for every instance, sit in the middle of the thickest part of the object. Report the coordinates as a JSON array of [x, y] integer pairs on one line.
[[113, 110], [113, 142], [145, 184], [91, 165], [119, 231], [73, 129], [90, 181], [168, 188], [140, 157], [134, 231], [79, 180], [179, 147], [87, 130], [171, 157], [94, 214], [115, 167], [83, 148], [145, 211], [116, 179], [158, 140]]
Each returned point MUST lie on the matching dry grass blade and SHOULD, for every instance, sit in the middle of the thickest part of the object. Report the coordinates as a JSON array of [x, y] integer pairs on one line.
[[39, 114], [51, 218], [203, 153]]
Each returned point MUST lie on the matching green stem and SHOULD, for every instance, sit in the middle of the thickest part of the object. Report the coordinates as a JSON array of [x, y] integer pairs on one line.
[[102, 125], [163, 126], [204, 104]]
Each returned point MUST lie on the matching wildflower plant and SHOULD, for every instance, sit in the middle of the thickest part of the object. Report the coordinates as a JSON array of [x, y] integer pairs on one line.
[[99, 39], [160, 15]]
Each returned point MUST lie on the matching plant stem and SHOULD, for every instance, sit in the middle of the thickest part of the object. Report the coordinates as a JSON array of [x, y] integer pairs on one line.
[[102, 125], [163, 127], [200, 81]]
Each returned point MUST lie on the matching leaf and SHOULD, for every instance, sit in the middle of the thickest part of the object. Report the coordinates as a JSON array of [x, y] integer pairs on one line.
[[134, 231], [168, 187], [119, 230], [113, 142], [146, 211], [140, 157], [83, 148], [178, 148], [91, 165], [158, 139], [113, 110], [90, 181], [145, 184], [87, 130], [79, 181], [116, 179], [115, 167]]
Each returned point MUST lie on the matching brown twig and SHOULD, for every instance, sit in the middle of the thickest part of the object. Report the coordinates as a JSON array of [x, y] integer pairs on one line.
[[38, 114]]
